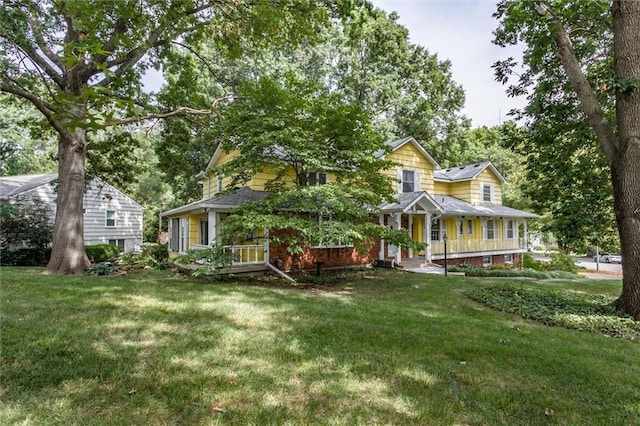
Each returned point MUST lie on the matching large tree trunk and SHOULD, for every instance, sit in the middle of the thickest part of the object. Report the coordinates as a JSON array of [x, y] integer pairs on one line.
[[625, 168], [68, 255]]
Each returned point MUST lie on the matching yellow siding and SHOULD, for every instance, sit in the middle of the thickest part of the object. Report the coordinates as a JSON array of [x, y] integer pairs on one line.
[[194, 227], [411, 158], [487, 176], [441, 188], [461, 190]]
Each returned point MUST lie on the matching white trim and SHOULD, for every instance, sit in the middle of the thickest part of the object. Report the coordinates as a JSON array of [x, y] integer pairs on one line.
[[106, 219]]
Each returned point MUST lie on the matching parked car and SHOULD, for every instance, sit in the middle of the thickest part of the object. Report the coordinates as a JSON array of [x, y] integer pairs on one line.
[[603, 258], [615, 258]]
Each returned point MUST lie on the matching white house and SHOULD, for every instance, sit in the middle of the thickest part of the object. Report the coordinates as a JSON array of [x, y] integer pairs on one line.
[[110, 216]]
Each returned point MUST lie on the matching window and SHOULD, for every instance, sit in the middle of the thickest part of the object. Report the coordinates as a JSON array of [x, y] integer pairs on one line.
[[317, 178], [203, 234], [491, 229], [508, 258], [511, 229], [487, 192], [408, 180], [435, 230], [486, 260], [460, 227], [119, 243], [470, 226], [110, 218]]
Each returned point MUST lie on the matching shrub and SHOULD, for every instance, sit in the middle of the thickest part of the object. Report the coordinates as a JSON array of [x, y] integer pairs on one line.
[[102, 268], [562, 262], [528, 262], [152, 254], [25, 257], [158, 252], [102, 252]]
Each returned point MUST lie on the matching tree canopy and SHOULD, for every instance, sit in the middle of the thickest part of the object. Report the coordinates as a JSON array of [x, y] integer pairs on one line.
[[80, 64], [581, 66]]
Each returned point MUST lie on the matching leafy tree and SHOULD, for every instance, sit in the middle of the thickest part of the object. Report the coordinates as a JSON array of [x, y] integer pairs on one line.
[[301, 126], [80, 65], [581, 58], [366, 58], [23, 152]]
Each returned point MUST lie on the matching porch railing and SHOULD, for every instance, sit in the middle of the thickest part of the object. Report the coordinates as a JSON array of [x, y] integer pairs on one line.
[[474, 246], [242, 254], [249, 254]]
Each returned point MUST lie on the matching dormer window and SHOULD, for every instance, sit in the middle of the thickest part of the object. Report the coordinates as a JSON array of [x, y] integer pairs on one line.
[[487, 193], [408, 180]]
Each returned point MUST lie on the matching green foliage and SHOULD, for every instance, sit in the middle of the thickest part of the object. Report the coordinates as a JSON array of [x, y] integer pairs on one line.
[[33, 256], [569, 310], [103, 268], [102, 252], [529, 262], [508, 272], [213, 258], [152, 254], [562, 262], [559, 137], [25, 220]]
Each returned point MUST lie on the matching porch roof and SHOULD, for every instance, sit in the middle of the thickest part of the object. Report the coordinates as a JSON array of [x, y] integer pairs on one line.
[[457, 207], [407, 200], [224, 201]]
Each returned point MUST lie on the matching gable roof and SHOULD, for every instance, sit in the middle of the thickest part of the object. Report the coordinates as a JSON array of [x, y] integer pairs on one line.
[[466, 172], [407, 200], [221, 201], [10, 186], [396, 144]]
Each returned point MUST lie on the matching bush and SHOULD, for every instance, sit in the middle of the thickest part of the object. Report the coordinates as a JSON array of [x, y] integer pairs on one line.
[[152, 254], [526, 273], [528, 262], [158, 252], [562, 262], [25, 257], [102, 252]]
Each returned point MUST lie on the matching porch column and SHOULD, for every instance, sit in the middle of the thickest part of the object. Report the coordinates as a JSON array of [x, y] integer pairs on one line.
[[212, 226], [427, 236], [381, 252], [411, 234], [526, 236], [399, 253], [267, 257]]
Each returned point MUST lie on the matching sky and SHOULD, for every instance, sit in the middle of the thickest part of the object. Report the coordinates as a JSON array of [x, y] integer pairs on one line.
[[461, 31]]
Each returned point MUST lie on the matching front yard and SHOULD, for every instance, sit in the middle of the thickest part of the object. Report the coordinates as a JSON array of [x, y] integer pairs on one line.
[[392, 348]]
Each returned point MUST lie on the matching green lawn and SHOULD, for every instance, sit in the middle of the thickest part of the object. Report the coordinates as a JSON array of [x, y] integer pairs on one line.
[[151, 348]]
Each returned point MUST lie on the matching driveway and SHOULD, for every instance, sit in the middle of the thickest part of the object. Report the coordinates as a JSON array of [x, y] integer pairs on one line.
[[588, 263]]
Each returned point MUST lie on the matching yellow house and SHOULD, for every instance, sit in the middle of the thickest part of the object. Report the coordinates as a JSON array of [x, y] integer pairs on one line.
[[460, 208]]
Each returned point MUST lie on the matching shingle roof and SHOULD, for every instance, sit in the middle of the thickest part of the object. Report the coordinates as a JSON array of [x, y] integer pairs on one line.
[[11, 186], [457, 207], [466, 172], [407, 200], [221, 201]]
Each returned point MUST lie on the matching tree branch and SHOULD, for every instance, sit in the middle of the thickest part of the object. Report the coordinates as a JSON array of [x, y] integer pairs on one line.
[[178, 111], [45, 108], [588, 100], [35, 28]]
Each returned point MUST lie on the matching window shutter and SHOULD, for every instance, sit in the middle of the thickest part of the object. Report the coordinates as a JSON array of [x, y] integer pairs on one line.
[[484, 229], [416, 176], [399, 176]]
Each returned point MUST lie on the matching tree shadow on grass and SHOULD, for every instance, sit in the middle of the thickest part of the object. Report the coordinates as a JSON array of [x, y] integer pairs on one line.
[[155, 349]]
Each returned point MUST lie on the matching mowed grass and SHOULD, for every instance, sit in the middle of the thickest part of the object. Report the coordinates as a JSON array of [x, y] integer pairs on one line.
[[151, 348]]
